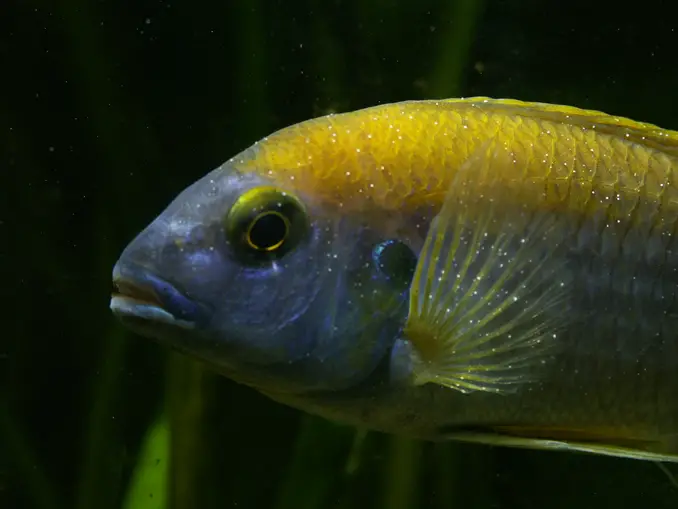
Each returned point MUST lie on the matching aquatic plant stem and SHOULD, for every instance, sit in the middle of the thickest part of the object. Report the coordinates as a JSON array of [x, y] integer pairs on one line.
[[458, 27], [401, 484]]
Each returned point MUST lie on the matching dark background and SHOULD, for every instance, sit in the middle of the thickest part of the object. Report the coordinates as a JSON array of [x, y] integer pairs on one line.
[[109, 108]]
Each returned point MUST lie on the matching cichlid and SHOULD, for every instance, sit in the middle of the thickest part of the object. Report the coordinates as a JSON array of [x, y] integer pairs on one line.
[[469, 269]]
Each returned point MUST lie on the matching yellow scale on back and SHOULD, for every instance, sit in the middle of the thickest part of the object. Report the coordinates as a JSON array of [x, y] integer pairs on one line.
[[404, 155]]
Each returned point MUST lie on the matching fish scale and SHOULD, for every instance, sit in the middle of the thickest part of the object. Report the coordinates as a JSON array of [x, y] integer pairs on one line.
[[423, 143]]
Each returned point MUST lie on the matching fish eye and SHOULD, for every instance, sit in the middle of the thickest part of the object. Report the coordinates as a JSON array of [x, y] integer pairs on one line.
[[264, 224], [396, 261]]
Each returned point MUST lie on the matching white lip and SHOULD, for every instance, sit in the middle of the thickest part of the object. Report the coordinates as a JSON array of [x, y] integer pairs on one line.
[[123, 307]]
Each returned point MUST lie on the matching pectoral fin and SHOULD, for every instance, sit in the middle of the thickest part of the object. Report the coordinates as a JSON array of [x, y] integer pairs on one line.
[[488, 298]]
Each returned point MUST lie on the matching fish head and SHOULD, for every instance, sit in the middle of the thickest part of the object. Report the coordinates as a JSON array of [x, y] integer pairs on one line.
[[267, 281]]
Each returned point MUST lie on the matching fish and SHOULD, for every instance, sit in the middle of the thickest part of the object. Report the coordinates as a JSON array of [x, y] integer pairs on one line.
[[475, 269]]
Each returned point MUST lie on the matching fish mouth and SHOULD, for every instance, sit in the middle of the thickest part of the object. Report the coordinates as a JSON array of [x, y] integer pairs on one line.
[[141, 299], [134, 293]]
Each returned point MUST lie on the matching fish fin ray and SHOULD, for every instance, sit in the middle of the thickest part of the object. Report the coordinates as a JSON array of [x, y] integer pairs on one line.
[[600, 442], [486, 301]]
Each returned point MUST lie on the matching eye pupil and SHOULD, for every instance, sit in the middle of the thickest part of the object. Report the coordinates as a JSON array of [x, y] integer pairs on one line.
[[268, 231], [396, 261]]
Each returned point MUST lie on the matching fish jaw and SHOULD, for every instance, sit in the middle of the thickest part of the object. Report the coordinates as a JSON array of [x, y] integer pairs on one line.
[[145, 302]]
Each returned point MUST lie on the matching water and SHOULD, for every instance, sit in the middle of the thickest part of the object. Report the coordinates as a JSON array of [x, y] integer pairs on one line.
[[110, 109]]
